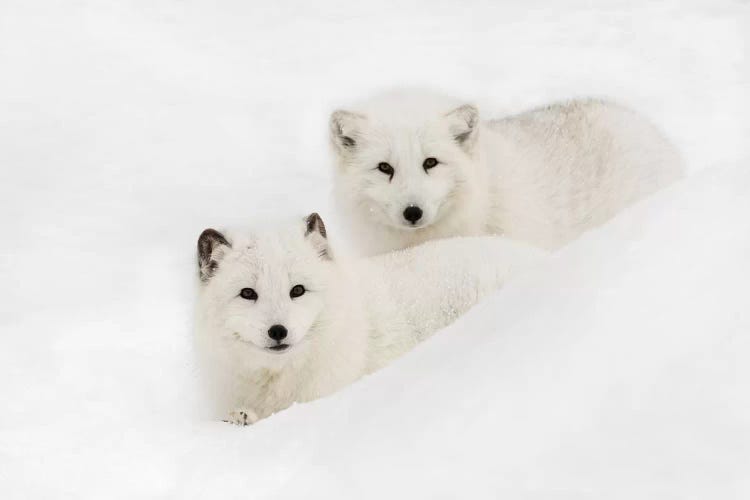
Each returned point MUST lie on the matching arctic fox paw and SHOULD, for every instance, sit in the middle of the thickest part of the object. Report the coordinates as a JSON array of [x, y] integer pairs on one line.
[[242, 416]]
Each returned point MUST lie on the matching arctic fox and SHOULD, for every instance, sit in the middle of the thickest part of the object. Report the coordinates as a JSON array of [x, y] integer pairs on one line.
[[280, 319], [413, 166]]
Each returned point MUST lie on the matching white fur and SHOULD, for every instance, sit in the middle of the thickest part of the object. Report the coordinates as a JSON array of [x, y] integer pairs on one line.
[[355, 316], [543, 176]]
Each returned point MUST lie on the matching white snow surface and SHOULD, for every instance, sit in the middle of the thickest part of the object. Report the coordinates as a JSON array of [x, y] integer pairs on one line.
[[621, 369]]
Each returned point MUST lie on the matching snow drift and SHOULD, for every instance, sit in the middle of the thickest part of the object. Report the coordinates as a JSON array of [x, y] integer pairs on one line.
[[618, 370]]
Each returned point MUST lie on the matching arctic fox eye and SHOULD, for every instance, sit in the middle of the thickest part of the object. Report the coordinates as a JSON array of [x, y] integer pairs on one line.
[[296, 291], [429, 163], [249, 294], [386, 169]]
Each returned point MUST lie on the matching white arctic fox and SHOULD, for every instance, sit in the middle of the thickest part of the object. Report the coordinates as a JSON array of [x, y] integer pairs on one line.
[[413, 166], [280, 319]]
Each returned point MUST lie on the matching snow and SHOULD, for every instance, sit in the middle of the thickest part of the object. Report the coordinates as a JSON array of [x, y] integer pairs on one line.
[[620, 370]]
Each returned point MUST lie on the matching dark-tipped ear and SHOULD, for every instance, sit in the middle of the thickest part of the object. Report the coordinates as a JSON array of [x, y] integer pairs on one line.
[[463, 124], [209, 244], [315, 232], [345, 130]]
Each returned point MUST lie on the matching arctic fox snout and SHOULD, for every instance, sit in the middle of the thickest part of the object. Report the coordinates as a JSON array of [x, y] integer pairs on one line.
[[277, 332], [412, 214]]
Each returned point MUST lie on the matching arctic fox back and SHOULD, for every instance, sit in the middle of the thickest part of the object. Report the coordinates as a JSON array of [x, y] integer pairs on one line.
[[564, 168]]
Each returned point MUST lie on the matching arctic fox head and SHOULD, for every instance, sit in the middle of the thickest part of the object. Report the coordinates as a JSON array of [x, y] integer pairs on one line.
[[403, 158], [264, 291]]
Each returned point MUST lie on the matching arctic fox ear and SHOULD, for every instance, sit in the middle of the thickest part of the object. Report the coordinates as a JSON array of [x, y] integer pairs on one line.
[[345, 130], [315, 232], [211, 246], [462, 123]]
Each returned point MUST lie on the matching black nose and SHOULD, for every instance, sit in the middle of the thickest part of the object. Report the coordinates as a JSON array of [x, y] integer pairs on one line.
[[412, 214], [277, 332]]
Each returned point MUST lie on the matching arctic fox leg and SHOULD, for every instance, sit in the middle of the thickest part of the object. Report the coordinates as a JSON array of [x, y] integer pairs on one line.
[[242, 417]]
